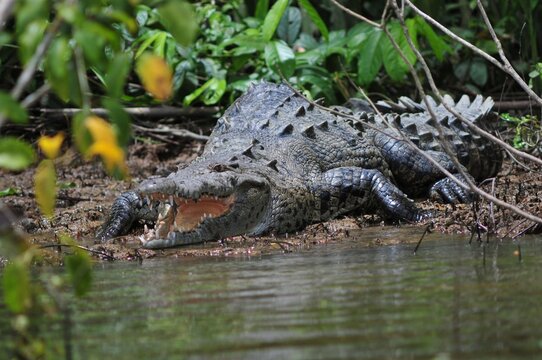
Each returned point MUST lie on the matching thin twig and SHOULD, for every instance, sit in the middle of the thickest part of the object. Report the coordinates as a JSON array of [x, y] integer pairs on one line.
[[508, 68], [30, 99], [150, 112], [510, 71], [28, 73], [426, 231], [97, 252], [430, 79], [470, 185], [166, 130], [355, 14]]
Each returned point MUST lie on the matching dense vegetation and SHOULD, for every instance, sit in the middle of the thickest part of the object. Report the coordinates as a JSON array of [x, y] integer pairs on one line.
[[117, 54]]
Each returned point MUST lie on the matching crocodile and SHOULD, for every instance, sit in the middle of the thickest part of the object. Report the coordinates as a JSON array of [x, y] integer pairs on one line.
[[275, 163]]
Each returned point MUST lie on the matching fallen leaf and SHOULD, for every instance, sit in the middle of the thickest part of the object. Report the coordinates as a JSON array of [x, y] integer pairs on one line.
[[50, 145], [156, 76], [105, 144]]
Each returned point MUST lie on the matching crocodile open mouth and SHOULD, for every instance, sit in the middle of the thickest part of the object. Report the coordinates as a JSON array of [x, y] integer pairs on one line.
[[178, 214]]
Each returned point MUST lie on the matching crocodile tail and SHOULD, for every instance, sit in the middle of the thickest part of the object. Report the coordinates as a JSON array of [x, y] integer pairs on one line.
[[486, 156], [480, 156]]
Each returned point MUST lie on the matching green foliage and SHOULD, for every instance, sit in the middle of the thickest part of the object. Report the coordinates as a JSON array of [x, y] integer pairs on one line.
[[9, 191], [15, 154], [11, 109], [527, 132]]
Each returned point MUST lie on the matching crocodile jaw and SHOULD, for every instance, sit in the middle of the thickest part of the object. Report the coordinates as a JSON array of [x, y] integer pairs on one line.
[[206, 214]]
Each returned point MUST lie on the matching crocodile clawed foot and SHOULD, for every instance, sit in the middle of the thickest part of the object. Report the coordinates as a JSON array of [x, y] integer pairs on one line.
[[448, 191]]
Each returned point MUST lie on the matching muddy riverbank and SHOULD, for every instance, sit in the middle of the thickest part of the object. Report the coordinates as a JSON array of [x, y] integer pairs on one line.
[[86, 193]]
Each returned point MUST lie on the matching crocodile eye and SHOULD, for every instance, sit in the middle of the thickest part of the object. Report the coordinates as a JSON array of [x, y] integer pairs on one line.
[[218, 167]]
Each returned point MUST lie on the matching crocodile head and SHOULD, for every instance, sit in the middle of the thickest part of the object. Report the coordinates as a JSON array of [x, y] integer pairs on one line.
[[196, 205]]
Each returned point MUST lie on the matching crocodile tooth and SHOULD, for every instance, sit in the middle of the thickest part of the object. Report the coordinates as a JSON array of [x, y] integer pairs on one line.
[[147, 199], [324, 125], [273, 165], [287, 130], [309, 132], [300, 111], [171, 201], [145, 229], [248, 152]]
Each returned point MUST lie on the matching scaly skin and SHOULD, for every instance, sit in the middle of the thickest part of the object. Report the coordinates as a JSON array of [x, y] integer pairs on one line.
[[274, 164]]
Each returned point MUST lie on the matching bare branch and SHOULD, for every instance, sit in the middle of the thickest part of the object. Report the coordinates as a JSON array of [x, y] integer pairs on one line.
[[166, 130], [506, 67], [149, 112], [28, 73], [355, 14]]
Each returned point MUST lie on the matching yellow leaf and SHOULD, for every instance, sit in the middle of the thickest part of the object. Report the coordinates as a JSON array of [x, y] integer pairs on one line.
[[156, 76], [105, 144], [100, 130], [45, 187], [50, 145]]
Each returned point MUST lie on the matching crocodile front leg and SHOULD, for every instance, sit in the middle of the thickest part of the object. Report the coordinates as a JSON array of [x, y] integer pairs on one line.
[[126, 209], [345, 189]]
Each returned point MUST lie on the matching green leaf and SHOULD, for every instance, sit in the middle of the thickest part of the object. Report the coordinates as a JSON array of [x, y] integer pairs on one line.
[[179, 18], [16, 287], [79, 268], [15, 154], [67, 185], [11, 109], [210, 92], [315, 17], [29, 11], [370, 58], [261, 9], [214, 91], [461, 70], [478, 72], [290, 25], [358, 34], [280, 58], [45, 187], [57, 67], [272, 20], [30, 38], [120, 119], [93, 37], [116, 74], [439, 46], [8, 192], [394, 64]]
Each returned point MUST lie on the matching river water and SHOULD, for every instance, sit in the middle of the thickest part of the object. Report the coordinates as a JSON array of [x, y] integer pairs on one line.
[[343, 300]]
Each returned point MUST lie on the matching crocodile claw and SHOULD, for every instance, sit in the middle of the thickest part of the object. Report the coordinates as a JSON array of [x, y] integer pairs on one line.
[[448, 191]]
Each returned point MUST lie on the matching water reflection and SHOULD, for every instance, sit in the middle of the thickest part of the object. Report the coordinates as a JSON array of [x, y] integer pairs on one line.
[[344, 300]]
